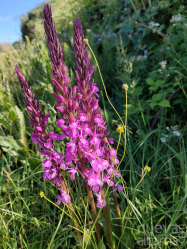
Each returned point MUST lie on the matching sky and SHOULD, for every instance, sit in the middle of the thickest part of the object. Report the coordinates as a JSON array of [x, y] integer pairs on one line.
[[11, 12]]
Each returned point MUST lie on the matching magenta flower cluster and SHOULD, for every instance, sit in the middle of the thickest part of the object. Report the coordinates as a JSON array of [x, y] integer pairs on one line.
[[88, 152]]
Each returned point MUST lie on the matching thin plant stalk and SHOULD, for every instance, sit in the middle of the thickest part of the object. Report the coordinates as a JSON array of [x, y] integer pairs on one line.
[[91, 198], [118, 213], [71, 211], [92, 202], [106, 216]]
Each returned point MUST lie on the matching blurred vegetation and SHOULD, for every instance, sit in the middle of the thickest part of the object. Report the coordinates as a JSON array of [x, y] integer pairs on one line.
[[141, 43]]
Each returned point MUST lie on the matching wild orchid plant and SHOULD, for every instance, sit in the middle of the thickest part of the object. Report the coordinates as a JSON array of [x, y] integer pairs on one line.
[[88, 151]]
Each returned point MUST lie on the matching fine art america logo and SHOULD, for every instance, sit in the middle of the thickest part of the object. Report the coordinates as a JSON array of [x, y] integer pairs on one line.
[[174, 235]]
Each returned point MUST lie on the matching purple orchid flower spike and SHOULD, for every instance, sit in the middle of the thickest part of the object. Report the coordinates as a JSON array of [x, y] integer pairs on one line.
[[96, 151], [88, 152], [53, 42], [54, 161]]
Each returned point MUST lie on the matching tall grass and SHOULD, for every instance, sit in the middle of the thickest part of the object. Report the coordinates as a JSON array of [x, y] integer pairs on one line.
[[153, 206]]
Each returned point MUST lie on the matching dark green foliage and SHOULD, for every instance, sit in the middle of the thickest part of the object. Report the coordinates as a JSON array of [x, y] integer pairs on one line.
[[29, 23]]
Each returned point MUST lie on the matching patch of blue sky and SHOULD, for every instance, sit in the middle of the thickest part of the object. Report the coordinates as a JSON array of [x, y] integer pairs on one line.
[[11, 12]]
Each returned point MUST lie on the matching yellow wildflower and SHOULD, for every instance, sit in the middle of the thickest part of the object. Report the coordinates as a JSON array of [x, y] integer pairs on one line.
[[166, 243], [120, 129], [86, 41], [147, 168], [125, 87], [42, 194]]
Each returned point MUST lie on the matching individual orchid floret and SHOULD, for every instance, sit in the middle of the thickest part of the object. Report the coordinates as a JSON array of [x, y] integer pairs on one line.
[[72, 172], [100, 201], [118, 187], [63, 198]]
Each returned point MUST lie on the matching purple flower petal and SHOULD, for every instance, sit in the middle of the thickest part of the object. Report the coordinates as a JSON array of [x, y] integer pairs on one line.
[[60, 122], [47, 163], [34, 138], [119, 187], [31, 123], [48, 145], [110, 140], [95, 188], [59, 108], [62, 137]]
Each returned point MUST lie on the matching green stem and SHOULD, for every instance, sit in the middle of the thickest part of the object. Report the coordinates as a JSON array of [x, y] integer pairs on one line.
[[107, 220], [117, 209], [71, 211], [90, 195]]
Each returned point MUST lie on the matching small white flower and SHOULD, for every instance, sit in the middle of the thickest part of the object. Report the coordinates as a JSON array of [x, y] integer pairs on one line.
[[163, 64], [177, 133], [178, 17], [163, 139], [167, 128]]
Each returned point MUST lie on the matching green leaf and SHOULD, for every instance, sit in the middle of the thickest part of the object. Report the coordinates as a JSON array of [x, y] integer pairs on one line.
[[34, 162], [150, 81], [101, 245], [153, 88], [138, 90], [12, 114], [10, 151], [157, 97], [4, 122], [89, 246], [164, 103], [21, 121], [153, 104], [168, 31], [158, 83], [9, 142], [126, 27]]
